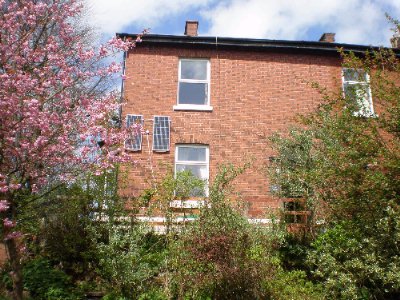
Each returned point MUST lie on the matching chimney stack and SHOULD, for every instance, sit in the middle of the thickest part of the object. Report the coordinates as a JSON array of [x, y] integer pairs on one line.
[[327, 37], [191, 28], [395, 41]]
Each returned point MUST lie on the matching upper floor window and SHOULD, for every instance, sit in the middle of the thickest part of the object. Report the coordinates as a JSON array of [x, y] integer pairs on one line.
[[356, 89], [194, 84]]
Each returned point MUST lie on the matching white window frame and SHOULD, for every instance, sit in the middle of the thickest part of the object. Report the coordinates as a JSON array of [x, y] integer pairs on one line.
[[194, 163], [367, 87], [202, 107]]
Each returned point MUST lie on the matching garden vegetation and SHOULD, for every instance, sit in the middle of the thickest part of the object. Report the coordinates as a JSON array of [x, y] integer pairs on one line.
[[69, 234]]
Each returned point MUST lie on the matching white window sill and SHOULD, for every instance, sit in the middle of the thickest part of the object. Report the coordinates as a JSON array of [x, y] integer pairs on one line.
[[365, 115], [193, 107], [186, 204]]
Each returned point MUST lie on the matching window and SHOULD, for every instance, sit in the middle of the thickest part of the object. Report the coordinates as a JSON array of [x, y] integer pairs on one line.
[[134, 124], [161, 132], [194, 158], [194, 85], [356, 89]]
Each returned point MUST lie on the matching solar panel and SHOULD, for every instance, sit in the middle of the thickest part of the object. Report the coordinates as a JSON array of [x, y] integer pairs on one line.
[[161, 133], [134, 140], [93, 149]]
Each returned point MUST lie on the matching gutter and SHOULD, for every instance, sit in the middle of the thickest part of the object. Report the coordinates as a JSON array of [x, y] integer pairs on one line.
[[254, 44]]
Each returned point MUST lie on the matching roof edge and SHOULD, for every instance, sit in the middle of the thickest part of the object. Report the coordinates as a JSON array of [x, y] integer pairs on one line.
[[230, 42]]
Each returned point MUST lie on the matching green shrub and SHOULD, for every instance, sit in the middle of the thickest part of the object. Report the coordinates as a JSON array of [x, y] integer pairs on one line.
[[130, 260], [220, 255], [293, 285], [153, 294], [346, 167], [354, 265], [43, 281]]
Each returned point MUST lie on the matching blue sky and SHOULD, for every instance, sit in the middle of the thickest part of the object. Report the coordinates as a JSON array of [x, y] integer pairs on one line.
[[353, 21]]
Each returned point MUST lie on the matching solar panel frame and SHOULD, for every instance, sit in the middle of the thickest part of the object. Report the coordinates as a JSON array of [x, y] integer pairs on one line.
[[161, 133], [134, 142]]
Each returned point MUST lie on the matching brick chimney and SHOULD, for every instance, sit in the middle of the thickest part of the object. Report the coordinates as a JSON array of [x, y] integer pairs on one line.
[[395, 41], [191, 28], [327, 37]]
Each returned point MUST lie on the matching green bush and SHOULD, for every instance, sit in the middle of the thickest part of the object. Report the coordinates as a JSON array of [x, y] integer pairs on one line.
[[346, 166], [293, 285], [130, 260], [220, 255], [43, 281], [153, 294], [61, 224], [353, 265]]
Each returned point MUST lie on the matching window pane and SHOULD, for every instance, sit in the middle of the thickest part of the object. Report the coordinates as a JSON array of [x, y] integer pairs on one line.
[[193, 93], [350, 90], [191, 154], [360, 98], [197, 171], [354, 75], [194, 69], [358, 92]]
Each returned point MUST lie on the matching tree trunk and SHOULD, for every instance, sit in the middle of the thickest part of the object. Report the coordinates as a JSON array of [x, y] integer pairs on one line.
[[16, 271]]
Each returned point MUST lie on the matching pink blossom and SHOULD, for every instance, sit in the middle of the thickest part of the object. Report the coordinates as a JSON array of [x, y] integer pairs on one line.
[[13, 235], [35, 188], [45, 113], [4, 205], [8, 223], [14, 186]]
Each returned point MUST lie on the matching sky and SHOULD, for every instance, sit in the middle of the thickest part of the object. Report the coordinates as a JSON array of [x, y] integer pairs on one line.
[[354, 21]]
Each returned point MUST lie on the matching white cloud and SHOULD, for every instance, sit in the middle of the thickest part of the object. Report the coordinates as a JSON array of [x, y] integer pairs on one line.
[[111, 16], [354, 21]]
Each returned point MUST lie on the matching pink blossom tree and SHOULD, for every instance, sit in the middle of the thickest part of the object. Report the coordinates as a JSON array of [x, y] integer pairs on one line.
[[51, 114]]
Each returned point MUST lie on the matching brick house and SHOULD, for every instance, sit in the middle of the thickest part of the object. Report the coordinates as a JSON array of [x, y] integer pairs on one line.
[[206, 101]]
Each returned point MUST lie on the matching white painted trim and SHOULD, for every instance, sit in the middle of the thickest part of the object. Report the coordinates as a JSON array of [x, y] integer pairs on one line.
[[187, 203], [182, 219], [164, 219], [261, 221], [193, 107]]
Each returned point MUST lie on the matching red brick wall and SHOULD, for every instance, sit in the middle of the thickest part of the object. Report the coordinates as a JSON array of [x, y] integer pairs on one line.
[[253, 95]]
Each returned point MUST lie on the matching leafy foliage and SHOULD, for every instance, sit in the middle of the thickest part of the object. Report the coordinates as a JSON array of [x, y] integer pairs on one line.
[[346, 166], [222, 256], [46, 282], [130, 259]]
